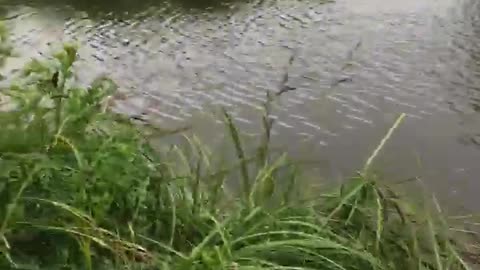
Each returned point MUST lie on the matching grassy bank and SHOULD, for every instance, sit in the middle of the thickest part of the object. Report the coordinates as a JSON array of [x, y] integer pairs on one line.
[[82, 188]]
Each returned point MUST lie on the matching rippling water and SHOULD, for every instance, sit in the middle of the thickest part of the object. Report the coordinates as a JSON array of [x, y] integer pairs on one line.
[[354, 64]]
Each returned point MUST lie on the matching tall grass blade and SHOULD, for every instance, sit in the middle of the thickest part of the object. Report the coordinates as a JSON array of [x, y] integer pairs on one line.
[[377, 150], [240, 154]]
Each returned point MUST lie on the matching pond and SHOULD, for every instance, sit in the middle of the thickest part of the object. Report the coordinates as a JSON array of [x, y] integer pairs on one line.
[[353, 67]]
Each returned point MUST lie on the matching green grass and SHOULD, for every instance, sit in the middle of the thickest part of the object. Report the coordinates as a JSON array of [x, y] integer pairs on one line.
[[82, 188]]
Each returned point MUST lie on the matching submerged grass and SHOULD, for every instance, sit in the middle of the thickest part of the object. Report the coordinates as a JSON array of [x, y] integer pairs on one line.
[[81, 188]]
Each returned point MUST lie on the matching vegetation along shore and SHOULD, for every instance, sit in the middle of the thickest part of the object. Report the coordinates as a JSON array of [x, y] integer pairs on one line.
[[81, 187]]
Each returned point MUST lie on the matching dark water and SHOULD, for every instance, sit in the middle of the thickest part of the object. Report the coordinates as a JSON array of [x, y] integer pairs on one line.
[[355, 64]]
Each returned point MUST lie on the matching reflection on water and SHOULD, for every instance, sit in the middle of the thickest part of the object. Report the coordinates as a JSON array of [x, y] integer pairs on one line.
[[126, 8], [355, 65]]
